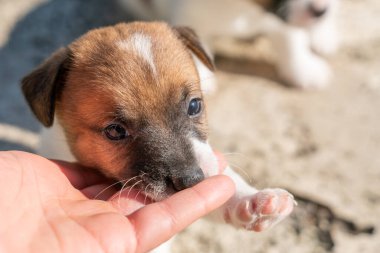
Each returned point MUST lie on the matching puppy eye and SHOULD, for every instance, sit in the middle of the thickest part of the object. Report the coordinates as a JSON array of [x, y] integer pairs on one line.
[[195, 107], [115, 132]]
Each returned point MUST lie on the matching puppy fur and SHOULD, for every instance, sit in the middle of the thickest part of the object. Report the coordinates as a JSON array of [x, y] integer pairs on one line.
[[114, 76], [302, 32], [138, 81]]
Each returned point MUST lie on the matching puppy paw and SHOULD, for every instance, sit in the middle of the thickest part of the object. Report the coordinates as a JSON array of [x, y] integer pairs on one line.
[[262, 210], [309, 73]]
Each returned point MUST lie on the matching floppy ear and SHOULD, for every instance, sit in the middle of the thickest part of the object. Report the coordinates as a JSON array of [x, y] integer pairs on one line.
[[190, 39], [41, 86]]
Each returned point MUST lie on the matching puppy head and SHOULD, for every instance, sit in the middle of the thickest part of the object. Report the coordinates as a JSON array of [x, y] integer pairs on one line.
[[130, 102], [299, 12]]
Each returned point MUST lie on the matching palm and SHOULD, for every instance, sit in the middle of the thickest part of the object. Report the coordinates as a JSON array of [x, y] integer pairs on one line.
[[78, 230], [68, 221], [51, 209]]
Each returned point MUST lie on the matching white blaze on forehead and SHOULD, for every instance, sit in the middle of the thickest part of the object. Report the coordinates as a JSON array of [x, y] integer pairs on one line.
[[205, 157], [141, 45]]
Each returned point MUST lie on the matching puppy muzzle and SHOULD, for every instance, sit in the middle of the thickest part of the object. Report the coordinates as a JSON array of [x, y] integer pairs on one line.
[[188, 179]]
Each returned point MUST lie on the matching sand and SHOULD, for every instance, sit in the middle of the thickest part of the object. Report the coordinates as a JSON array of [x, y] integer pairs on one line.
[[323, 146]]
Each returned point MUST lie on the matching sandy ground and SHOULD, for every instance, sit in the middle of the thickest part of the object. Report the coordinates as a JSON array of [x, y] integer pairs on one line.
[[321, 145]]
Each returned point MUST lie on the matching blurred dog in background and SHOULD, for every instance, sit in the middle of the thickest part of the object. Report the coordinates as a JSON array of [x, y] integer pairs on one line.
[[301, 32]]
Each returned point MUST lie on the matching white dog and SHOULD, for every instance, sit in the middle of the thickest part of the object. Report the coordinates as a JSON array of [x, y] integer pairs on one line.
[[301, 31]]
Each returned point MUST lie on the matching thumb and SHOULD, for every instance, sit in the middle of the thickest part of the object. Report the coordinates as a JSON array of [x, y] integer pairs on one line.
[[164, 219]]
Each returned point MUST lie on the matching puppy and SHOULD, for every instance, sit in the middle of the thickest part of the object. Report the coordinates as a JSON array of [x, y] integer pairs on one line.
[[300, 31], [126, 100]]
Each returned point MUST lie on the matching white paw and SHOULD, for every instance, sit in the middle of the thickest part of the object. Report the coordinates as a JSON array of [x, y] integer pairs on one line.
[[260, 211], [309, 72]]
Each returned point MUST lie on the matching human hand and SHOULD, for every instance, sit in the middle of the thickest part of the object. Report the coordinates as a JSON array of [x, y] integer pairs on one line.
[[48, 206]]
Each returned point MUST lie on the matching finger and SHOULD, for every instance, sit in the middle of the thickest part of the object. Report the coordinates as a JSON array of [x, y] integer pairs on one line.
[[129, 200], [79, 176], [164, 219]]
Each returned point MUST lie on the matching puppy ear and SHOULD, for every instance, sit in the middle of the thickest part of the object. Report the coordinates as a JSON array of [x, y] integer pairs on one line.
[[41, 86], [191, 40]]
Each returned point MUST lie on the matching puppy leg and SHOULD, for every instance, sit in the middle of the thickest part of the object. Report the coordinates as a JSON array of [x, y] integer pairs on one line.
[[297, 64], [252, 209]]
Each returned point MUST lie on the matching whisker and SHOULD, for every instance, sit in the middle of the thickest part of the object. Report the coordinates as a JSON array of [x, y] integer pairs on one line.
[[97, 195], [245, 173], [155, 193], [134, 185], [122, 187], [129, 191], [145, 190], [235, 166], [138, 193]]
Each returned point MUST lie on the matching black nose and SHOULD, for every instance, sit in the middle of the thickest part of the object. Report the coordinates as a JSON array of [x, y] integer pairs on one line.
[[317, 11], [188, 179]]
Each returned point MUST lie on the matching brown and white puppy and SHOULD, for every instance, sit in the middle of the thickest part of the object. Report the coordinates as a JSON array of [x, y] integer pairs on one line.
[[127, 100]]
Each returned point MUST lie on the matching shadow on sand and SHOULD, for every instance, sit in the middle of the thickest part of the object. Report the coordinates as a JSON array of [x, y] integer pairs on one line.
[[35, 36], [39, 33]]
